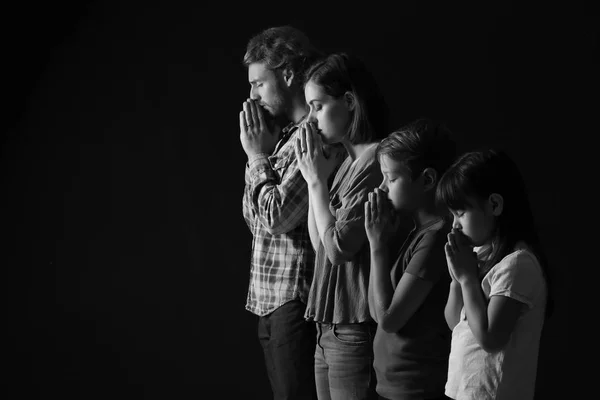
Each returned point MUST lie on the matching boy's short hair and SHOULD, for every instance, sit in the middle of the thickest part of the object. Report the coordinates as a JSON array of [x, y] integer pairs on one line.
[[421, 144]]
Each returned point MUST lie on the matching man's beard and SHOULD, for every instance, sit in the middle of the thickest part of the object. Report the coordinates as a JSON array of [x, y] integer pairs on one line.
[[275, 118]]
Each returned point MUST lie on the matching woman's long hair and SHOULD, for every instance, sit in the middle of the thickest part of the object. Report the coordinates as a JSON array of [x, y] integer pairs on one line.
[[339, 73]]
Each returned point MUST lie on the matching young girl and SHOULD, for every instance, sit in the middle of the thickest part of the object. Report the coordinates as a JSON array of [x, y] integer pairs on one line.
[[409, 285], [346, 109], [496, 307]]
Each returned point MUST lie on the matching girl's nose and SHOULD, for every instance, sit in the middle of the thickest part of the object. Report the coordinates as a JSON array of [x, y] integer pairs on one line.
[[455, 224]]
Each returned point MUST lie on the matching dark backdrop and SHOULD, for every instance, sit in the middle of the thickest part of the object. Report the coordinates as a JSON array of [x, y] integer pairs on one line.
[[126, 253]]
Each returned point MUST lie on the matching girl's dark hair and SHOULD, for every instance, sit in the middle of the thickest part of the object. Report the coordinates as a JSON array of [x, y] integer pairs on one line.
[[339, 73], [478, 174], [421, 144]]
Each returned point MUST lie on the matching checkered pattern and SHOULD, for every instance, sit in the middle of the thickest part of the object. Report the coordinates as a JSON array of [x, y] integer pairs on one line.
[[275, 207]]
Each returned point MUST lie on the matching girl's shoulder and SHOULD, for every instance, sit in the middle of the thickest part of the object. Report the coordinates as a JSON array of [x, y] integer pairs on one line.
[[519, 275], [521, 254], [522, 261]]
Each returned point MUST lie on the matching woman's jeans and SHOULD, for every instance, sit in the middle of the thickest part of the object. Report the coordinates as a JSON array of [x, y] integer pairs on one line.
[[344, 361]]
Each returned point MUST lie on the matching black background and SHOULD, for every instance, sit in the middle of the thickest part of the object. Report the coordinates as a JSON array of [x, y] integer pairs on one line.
[[126, 253]]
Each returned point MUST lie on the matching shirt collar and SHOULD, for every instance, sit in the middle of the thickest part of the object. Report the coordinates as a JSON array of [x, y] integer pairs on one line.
[[287, 132], [292, 126]]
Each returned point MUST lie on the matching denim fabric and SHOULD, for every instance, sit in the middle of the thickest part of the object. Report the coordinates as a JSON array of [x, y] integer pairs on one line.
[[288, 342], [344, 362]]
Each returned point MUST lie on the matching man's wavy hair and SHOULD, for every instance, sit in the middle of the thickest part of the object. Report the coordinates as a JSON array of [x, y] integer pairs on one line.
[[282, 47]]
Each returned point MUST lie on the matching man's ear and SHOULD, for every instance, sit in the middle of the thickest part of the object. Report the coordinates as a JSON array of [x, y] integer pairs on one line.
[[288, 76], [350, 100], [496, 202], [429, 178]]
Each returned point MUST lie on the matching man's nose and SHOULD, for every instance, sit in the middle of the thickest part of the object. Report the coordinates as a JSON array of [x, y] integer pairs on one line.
[[254, 93]]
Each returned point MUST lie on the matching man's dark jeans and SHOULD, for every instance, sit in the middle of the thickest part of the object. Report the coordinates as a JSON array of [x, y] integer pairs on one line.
[[289, 341]]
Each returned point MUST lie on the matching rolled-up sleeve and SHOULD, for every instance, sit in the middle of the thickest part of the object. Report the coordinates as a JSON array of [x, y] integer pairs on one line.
[[247, 206], [279, 198]]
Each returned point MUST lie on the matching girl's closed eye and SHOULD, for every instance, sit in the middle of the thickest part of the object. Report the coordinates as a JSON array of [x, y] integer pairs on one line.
[[390, 177]]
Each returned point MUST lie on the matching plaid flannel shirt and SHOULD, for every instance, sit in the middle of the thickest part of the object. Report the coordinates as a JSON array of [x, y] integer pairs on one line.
[[275, 207]]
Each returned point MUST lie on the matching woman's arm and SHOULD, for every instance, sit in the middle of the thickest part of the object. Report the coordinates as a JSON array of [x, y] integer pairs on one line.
[[312, 228], [319, 204], [342, 233]]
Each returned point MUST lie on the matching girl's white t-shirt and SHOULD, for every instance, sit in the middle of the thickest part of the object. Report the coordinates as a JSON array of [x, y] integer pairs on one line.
[[509, 373]]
